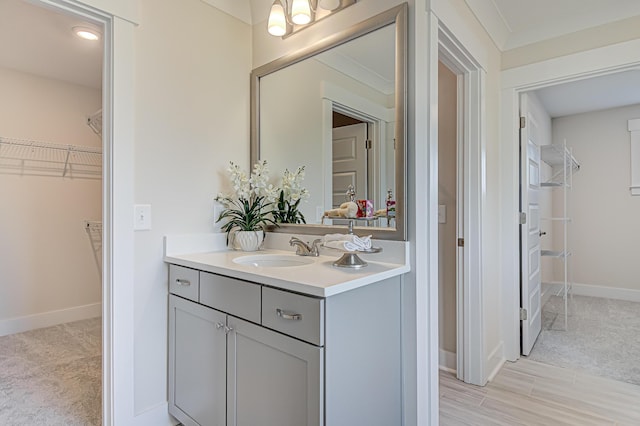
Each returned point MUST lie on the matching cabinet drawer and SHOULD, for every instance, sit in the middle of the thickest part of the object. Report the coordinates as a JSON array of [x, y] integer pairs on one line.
[[236, 297], [184, 282], [293, 314]]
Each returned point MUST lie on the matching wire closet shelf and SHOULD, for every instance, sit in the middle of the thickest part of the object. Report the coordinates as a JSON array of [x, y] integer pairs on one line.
[[23, 156]]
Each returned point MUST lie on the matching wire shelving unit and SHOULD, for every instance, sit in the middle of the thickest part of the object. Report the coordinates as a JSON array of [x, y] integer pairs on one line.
[[23, 156]]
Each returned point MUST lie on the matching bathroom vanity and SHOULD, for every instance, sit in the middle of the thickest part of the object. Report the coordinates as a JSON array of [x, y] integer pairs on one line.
[[283, 342]]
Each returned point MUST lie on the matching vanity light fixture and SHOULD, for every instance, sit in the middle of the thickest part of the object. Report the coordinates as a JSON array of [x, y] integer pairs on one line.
[[86, 33], [287, 16], [329, 4]]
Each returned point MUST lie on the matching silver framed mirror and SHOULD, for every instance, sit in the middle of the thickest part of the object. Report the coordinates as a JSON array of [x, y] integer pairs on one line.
[[338, 108]]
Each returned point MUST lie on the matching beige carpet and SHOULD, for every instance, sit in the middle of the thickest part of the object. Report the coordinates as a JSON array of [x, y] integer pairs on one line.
[[52, 376], [603, 337]]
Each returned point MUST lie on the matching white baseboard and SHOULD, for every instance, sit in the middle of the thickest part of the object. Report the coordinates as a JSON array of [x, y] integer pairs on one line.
[[48, 319], [495, 361], [448, 361], [617, 293], [156, 416]]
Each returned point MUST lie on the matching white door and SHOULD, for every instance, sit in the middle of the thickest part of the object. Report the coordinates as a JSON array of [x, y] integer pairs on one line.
[[349, 152], [530, 277]]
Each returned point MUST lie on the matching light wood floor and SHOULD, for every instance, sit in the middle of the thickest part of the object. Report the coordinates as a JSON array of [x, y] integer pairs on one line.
[[531, 393]]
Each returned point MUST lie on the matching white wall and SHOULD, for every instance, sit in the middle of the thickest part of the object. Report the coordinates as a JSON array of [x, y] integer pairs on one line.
[[46, 257], [447, 193], [603, 233], [192, 117]]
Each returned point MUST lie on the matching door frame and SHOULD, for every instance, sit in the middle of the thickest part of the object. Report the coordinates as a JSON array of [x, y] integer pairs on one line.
[[578, 66], [471, 172], [118, 18]]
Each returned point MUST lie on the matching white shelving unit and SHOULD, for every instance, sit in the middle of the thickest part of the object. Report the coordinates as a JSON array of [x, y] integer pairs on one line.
[[22, 156], [563, 166]]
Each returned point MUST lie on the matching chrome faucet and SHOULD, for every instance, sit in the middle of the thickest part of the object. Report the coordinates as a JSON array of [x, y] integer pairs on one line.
[[303, 249]]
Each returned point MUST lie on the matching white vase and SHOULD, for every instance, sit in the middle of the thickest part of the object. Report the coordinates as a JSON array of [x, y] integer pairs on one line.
[[248, 240]]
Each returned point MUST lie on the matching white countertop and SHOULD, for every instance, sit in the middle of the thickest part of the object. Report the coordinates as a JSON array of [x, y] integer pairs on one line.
[[319, 278]]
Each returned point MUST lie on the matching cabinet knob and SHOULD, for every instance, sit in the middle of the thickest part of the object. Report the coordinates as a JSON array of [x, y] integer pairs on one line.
[[183, 282], [288, 316], [223, 327]]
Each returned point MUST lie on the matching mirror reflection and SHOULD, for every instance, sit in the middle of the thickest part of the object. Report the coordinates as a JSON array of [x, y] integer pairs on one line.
[[338, 108], [334, 113]]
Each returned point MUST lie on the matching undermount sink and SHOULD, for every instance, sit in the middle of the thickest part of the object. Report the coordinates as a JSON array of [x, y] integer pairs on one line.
[[273, 260]]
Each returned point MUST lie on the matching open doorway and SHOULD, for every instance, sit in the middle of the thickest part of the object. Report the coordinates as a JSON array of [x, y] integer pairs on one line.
[[589, 298], [581, 68], [350, 151], [51, 173]]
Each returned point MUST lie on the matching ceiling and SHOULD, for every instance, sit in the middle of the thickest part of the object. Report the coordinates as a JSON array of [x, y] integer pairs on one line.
[[517, 23], [592, 94], [39, 41]]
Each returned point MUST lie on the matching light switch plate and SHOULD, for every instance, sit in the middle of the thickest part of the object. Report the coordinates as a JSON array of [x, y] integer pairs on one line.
[[218, 208], [142, 217], [442, 213]]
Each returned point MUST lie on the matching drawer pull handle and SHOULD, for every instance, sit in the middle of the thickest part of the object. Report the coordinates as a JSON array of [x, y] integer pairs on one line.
[[184, 283], [285, 315]]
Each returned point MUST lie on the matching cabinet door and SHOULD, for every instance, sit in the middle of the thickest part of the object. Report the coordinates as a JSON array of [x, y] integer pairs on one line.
[[273, 379], [197, 363]]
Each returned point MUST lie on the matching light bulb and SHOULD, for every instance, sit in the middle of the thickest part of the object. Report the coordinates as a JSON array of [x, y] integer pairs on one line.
[[329, 4], [301, 12], [277, 24]]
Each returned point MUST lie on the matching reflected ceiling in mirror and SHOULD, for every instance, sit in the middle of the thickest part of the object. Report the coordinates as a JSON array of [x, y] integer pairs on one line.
[[299, 104]]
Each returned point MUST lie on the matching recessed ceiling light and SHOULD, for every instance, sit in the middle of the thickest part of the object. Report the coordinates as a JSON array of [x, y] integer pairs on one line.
[[86, 33]]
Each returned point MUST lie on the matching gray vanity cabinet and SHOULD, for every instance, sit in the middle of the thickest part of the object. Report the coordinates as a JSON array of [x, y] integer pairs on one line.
[[245, 354], [224, 370]]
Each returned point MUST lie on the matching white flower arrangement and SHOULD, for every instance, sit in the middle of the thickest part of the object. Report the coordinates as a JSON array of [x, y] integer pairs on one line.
[[249, 209]]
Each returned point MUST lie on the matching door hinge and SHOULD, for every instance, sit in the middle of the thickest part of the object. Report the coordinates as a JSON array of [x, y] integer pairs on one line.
[[460, 242], [523, 218], [523, 122], [523, 314], [368, 144]]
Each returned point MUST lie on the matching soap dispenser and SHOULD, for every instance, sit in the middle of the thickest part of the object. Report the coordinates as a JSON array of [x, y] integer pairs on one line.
[[391, 205]]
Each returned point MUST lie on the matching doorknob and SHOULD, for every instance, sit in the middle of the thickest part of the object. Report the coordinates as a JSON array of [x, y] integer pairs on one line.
[[541, 233]]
